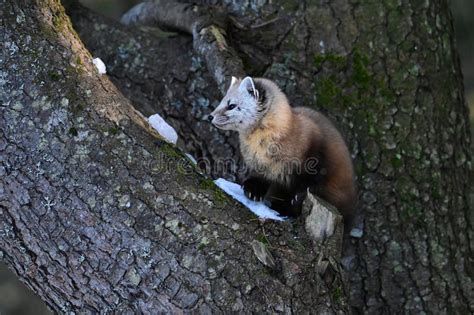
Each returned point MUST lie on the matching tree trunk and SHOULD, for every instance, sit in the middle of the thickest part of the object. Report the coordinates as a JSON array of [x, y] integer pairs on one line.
[[388, 73], [99, 214]]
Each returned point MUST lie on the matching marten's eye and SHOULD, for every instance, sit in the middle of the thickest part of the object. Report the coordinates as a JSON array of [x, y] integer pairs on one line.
[[230, 106]]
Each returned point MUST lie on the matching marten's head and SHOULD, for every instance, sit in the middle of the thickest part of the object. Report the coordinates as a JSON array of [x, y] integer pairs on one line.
[[246, 102]]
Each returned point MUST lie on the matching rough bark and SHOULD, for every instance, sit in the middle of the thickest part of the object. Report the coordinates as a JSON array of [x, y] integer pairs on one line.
[[161, 73], [97, 213], [389, 74], [206, 25]]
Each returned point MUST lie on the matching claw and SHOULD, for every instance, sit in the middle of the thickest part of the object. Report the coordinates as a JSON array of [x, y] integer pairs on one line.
[[250, 195]]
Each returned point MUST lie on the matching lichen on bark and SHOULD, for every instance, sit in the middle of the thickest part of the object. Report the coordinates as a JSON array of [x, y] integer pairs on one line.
[[94, 215], [387, 72]]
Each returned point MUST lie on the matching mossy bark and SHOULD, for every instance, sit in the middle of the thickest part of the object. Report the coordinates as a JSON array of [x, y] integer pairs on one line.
[[99, 214], [388, 73]]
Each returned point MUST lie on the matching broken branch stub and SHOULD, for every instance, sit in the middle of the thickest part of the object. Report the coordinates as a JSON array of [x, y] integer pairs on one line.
[[322, 222]]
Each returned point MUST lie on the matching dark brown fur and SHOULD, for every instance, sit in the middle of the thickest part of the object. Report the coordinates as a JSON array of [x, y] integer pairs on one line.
[[298, 135]]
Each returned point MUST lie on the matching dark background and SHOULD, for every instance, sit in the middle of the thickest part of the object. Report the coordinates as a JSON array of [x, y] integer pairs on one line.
[[15, 298]]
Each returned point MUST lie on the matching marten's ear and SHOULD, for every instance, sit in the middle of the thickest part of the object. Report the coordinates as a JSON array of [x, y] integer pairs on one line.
[[233, 81], [248, 85]]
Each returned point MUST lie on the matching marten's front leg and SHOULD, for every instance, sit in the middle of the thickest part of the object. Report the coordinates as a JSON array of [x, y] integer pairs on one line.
[[286, 201], [255, 187]]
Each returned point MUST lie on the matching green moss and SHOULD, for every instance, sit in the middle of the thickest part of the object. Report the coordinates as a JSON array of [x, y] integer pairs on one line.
[[397, 161], [170, 151], [262, 239], [358, 83], [47, 30], [337, 294], [59, 19], [219, 196], [77, 107], [77, 104], [349, 83], [371, 120], [290, 6], [71, 71], [408, 195], [113, 130], [333, 59], [79, 65], [411, 213], [76, 67], [207, 184], [79, 61], [201, 246], [58, 22], [53, 75], [327, 90], [385, 93], [73, 131], [361, 75]]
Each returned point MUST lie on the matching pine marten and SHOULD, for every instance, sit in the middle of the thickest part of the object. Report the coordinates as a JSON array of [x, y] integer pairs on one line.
[[287, 150]]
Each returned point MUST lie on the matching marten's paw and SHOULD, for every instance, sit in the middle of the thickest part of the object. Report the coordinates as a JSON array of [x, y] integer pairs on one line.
[[255, 188], [288, 207]]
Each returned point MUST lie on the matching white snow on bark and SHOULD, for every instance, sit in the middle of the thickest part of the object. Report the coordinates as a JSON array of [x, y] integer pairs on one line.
[[259, 208], [99, 64], [191, 158], [165, 130]]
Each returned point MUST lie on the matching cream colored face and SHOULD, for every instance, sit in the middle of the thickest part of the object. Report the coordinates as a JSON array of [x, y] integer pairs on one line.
[[238, 110]]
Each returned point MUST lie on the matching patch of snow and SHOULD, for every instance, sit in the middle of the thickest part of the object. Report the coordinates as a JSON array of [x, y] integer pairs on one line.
[[356, 233], [259, 208], [322, 46], [191, 158], [165, 130], [99, 64]]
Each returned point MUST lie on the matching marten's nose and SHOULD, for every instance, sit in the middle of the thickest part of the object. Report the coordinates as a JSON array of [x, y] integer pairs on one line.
[[210, 118]]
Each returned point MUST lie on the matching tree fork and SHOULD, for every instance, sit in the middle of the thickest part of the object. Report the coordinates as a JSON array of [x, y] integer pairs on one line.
[[206, 25]]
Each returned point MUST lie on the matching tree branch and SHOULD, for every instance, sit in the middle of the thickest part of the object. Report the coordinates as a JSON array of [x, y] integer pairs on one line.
[[206, 25], [184, 93]]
